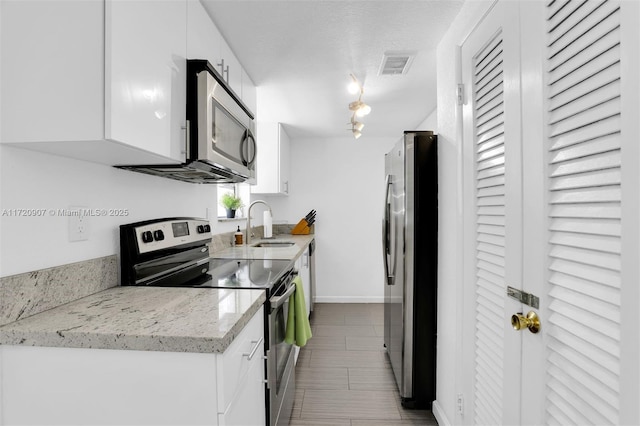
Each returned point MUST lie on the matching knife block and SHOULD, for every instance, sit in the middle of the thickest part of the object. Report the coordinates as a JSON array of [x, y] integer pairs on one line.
[[301, 228]]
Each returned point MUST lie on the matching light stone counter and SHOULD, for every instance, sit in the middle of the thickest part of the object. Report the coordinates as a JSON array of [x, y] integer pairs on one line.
[[142, 318], [267, 253]]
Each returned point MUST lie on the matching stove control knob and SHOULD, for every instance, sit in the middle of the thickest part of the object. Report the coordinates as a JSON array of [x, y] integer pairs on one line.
[[207, 228], [200, 229], [147, 237], [158, 235]]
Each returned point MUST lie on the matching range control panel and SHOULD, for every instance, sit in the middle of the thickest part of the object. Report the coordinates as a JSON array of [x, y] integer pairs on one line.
[[171, 233]]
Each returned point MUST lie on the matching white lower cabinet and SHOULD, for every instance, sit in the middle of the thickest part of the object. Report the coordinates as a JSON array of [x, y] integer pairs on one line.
[[302, 265], [248, 406], [62, 386], [240, 376]]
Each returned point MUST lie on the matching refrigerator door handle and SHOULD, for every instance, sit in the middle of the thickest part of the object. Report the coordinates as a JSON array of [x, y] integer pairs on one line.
[[386, 233]]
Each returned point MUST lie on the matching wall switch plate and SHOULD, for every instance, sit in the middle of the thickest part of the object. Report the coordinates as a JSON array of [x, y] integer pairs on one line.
[[78, 223]]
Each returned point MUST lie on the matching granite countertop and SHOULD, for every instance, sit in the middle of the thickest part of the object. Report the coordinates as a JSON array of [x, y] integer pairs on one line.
[[142, 318], [267, 253]]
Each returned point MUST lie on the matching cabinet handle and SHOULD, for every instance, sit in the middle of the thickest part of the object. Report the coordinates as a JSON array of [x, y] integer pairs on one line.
[[187, 146], [255, 348], [305, 256], [224, 70]]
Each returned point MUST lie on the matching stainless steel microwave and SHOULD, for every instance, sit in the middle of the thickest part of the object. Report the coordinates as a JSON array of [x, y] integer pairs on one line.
[[224, 127], [221, 144]]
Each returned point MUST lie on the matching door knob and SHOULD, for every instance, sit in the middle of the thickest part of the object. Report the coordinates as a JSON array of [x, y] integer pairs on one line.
[[531, 321]]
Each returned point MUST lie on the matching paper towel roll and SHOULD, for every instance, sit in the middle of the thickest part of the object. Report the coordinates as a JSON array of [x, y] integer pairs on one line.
[[267, 223]]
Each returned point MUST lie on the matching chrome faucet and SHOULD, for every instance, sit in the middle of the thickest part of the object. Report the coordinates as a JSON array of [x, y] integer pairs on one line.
[[249, 217]]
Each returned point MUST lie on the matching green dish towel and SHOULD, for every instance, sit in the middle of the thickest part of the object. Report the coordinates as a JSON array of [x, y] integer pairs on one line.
[[298, 327]]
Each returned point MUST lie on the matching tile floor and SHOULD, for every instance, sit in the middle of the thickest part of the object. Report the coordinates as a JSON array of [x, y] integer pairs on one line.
[[343, 377]]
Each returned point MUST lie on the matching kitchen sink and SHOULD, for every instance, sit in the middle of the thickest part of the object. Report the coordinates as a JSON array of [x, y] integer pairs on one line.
[[274, 244]]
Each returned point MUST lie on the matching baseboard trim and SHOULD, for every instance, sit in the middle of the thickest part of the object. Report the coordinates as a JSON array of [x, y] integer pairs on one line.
[[348, 299], [438, 413]]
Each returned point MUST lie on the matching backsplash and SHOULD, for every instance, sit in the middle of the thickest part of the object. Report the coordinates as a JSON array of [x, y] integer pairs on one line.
[[27, 294], [223, 241], [33, 292]]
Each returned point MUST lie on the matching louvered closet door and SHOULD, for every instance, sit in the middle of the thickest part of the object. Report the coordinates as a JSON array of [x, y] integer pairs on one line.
[[585, 150], [551, 178], [492, 138]]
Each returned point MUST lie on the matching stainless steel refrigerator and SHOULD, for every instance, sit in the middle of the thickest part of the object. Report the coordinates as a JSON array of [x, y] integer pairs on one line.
[[410, 248]]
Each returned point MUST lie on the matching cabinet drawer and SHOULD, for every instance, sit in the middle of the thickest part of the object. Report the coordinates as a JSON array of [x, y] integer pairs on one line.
[[248, 405], [234, 364]]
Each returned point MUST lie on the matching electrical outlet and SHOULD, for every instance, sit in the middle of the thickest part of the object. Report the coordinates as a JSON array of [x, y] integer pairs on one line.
[[460, 403], [78, 223]]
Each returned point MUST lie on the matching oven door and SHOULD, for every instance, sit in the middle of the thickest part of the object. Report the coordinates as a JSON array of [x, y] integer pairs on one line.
[[281, 360], [225, 130]]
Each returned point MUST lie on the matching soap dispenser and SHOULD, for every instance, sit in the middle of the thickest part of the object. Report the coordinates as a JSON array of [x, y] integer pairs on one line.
[[238, 237]]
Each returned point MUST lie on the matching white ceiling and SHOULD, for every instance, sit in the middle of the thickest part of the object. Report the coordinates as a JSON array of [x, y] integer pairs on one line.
[[300, 54]]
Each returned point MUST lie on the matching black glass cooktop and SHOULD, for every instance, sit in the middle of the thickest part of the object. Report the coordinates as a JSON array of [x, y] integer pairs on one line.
[[234, 273]]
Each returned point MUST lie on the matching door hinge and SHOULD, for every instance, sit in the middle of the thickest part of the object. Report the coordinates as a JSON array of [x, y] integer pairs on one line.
[[460, 94]]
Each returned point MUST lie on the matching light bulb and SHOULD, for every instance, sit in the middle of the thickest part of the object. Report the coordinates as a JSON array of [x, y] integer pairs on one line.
[[354, 86], [358, 125], [363, 109], [357, 133]]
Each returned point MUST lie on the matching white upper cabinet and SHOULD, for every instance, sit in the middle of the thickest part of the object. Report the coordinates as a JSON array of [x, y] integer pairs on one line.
[[146, 75], [273, 160], [105, 81], [230, 69], [98, 81], [249, 96], [204, 41], [52, 71]]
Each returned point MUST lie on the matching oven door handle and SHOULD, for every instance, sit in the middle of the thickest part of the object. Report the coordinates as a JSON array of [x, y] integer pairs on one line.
[[277, 301]]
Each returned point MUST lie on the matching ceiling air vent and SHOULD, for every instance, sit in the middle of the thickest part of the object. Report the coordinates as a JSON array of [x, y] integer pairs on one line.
[[395, 63]]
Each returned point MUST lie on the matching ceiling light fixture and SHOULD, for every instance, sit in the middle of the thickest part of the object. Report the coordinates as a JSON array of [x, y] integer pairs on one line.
[[358, 108], [354, 86]]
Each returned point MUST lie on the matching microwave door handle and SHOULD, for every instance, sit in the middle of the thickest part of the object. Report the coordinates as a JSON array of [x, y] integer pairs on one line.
[[253, 142], [242, 145]]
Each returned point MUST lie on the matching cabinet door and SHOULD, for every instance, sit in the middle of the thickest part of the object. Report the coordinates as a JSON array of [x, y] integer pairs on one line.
[[248, 95], [273, 160], [146, 75], [203, 38], [283, 160], [232, 68], [306, 280], [248, 407], [52, 78]]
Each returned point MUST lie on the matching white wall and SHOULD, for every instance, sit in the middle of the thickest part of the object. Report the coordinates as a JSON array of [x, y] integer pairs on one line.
[[429, 123], [32, 180], [450, 371], [343, 179]]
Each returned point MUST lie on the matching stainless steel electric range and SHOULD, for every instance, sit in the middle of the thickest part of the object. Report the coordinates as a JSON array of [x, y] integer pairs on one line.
[[174, 252]]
